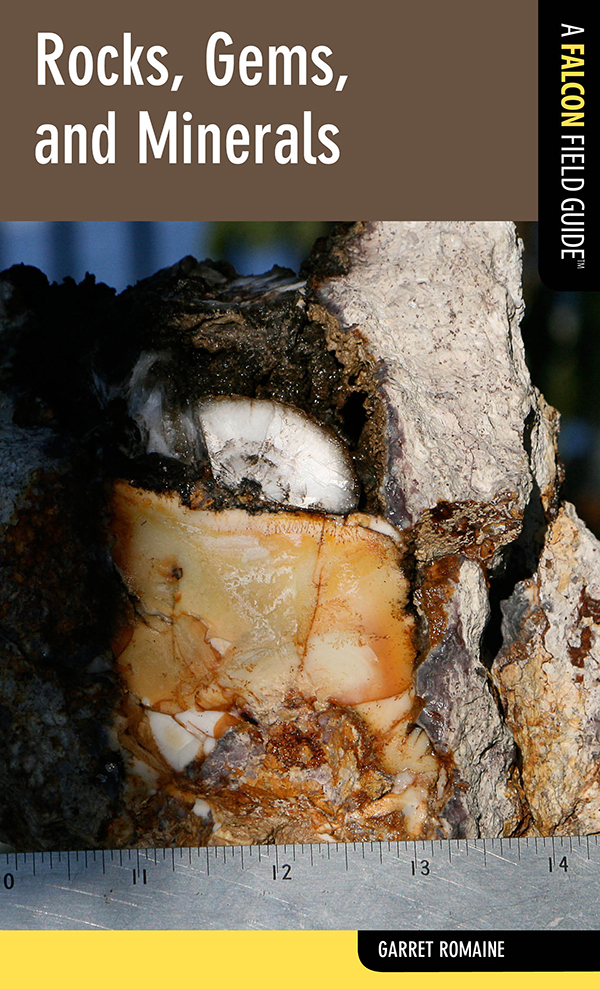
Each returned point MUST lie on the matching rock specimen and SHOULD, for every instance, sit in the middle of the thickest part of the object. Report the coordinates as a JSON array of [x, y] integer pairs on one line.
[[548, 672], [258, 538]]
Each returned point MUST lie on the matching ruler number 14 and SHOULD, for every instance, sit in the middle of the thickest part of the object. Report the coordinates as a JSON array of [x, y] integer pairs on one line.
[[563, 864]]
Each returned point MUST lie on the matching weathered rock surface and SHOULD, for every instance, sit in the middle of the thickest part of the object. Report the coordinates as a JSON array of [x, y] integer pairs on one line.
[[548, 674], [460, 713], [438, 306]]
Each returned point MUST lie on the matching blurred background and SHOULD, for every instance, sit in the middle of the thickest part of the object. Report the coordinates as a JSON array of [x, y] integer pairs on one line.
[[560, 330], [561, 333], [120, 253]]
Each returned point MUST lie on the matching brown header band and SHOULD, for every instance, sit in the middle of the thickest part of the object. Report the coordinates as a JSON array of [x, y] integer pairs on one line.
[[331, 111]]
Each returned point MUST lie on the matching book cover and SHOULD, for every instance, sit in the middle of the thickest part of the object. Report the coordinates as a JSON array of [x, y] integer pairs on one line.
[[300, 554]]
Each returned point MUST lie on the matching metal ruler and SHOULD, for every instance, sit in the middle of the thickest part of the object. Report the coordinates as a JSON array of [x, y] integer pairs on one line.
[[492, 884]]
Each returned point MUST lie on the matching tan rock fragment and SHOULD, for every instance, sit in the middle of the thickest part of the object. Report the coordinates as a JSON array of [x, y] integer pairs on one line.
[[548, 674]]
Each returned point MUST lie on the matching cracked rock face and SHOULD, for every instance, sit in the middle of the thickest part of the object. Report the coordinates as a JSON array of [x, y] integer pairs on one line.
[[258, 536]]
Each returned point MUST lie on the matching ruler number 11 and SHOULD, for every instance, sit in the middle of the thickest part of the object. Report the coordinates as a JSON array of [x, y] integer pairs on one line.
[[563, 864]]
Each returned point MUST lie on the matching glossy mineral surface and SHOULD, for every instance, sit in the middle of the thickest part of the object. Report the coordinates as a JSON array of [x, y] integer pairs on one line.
[[260, 652], [295, 460]]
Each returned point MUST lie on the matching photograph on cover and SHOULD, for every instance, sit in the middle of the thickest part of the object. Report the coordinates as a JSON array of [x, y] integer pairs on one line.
[[293, 548]]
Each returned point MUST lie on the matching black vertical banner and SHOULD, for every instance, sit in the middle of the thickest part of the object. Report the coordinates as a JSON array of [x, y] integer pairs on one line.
[[569, 147]]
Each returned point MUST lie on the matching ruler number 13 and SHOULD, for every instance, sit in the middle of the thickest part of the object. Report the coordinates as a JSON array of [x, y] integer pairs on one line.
[[420, 868]]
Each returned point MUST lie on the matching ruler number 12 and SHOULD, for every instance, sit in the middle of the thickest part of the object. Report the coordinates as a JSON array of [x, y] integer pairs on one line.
[[563, 864], [285, 872]]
